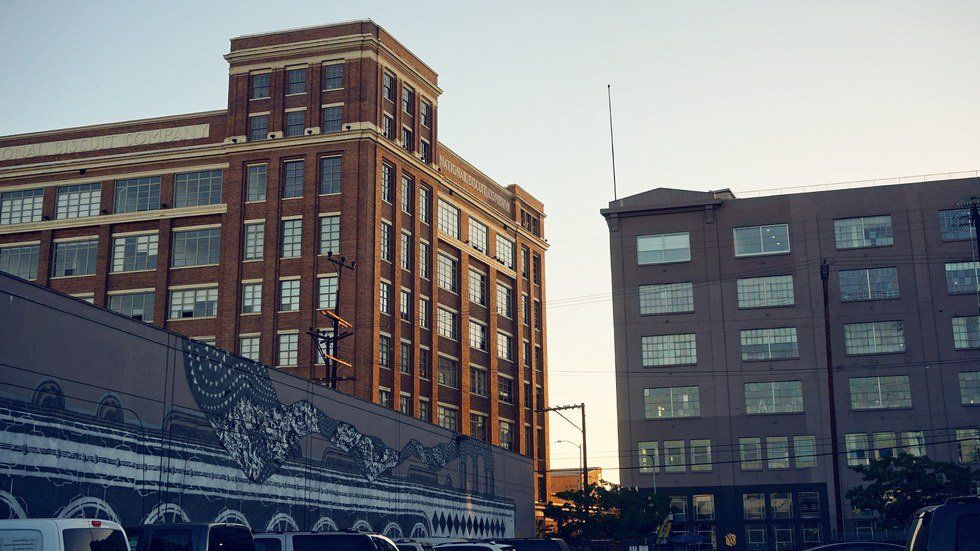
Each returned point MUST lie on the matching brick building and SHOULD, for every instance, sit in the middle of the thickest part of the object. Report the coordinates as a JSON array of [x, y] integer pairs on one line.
[[218, 225], [723, 351]]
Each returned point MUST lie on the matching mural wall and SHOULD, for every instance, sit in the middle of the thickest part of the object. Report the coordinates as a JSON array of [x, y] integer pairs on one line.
[[103, 416]]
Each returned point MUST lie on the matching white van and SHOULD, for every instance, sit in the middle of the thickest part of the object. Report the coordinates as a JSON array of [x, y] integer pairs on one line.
[[62, 534]]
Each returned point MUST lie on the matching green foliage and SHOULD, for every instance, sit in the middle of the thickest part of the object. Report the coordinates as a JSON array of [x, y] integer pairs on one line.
[[898, 486], [608, 511]]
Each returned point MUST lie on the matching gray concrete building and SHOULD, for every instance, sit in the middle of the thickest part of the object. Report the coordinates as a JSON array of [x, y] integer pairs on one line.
[[726, 353]]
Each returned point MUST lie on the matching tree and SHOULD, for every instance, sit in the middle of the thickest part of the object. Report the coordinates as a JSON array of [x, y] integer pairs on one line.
[[898, 486], [613, 512]]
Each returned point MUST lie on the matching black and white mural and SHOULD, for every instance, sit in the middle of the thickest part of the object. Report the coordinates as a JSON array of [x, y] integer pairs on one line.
[[101, 416]]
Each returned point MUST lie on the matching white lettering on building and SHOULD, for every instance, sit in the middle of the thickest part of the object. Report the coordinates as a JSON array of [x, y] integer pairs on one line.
[[111, 141], [478, 186]]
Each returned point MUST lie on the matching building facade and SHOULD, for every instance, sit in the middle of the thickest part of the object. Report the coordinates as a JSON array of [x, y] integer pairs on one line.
[[734, 318], [221, 226]]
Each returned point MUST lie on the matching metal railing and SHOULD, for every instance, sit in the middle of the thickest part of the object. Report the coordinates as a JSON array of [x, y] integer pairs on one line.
[[940, 176]]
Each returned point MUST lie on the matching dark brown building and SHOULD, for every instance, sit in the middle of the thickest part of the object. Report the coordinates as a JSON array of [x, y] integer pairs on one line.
[[722, 349], [218, 225]]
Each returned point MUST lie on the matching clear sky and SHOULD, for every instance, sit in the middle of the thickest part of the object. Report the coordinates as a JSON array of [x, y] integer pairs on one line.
[[706, 95]]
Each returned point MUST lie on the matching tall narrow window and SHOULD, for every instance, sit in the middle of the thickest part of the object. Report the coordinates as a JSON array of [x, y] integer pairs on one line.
[[254, 240], [327, 292], [385, 240], [289, 295], [448, 372], [330, 172], [777, 452], [477, 288], [330, 234], [448, 219], [405, 251], [447, 323], [333, 76], [407, 197], [424, 259], [750, 453], [292, 183], [292, 235], [447, 273], [478, 236], [295, 123], [258, 128], [296, 80], [424, 212], [260, 86], [255, 186], [805, 451], [251, 298], [288, 349]]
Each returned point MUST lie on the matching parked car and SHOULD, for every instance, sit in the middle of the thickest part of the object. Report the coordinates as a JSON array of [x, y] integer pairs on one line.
[[952, 526], [61, 534], [350, 540], [857, 546], [407, 544], [474, 546], [190, 537], [535, 544]]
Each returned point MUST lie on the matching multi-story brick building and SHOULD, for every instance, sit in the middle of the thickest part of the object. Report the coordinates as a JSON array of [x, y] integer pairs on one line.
[[729, 315], [218, 225]]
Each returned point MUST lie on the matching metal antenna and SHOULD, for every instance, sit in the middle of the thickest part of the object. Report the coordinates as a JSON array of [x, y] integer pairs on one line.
[[612, 141]]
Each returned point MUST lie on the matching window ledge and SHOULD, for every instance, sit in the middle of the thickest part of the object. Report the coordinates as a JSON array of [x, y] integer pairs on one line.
[[70, 276], [194, 266], [196, 318], [133, 271]]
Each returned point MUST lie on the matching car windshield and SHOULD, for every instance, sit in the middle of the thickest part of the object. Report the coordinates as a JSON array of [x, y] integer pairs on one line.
[[94, 539]]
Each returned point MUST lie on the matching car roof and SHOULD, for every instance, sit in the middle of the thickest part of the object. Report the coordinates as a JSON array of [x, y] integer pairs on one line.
[[60, 523]]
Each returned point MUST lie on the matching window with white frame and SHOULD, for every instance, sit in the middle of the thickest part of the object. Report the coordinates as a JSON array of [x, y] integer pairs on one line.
[[251, 298], [405, 305], [448, 372], [387, 182], [963, 277], [426, 112], [880, 392], [666, 298], [295, 122], [777, 452], [805, 451], [384, 351], [425, 363], [505, 301], [405, 357], [955, 224], [867, 231], [764, 292], [447, 323], [327, 292], [296, 80], [779, 343], [664, 350], [446, 273], [477, 288], [288, 349], [405, 251], [385, 239], [750, 453], [505, 251], [878, 337], [292, 237], [330, 175], [425, 410], [478, 426], [330, 234], [258, 128], [507, 435], [78, 201], [761, 240], [259, 85], [424, 259], [774, 397], [289, 295], [21, 261], [672, 402], [134, 252], [388, 126], [448, 219], [479, 382], [255, 179], [868, 284], [137, 194], [425, 312], [664, 248], [407, 195], [75, 258], [17, 207], [292, 181], [138, 306], [196, 247], [331, 119], [674, 456], [505, 390], [649, 457], [384, 297], [969, 445], [969, 388], [478, 236], [701, 455], [447, 418], [194, 303], [478, 335], [333, 76], [856, 447], [505, 347], [254, 245], [424, 212], [248, 347], [966, 332], [193, 189]]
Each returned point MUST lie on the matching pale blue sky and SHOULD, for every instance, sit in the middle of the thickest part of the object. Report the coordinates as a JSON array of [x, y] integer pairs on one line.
[[746, 95]]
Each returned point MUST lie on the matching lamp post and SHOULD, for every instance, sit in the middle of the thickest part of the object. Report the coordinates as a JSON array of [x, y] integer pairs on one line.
[[579, 456]]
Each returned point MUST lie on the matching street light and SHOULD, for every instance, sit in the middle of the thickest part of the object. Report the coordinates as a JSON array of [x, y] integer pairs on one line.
[[579, 456]]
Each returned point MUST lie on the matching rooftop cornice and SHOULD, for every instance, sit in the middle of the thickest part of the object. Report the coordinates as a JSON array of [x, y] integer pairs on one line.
[[101, 126]]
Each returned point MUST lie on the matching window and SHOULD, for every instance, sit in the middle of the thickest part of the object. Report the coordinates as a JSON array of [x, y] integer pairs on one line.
[[327, 292], [254, 240], [704, 507], [478, 236], [884, 444], [330, 234], [479, 384], [700, 456], [505, 347], [425, 410], [761, 240], [448, 372], [288, 348], [674, 459], [408, 139], [868, 231], [388, 86], [331, 119], [387, 182], [666, 298], [880, 392], [955, 225], [385, 239], [879, 337], [333, 76], [662, 350], [963, 277], [868, 284], [424, 260], [505, 251], [137, 194], [388, 126], [856, 445], [663, 248], [384, 397], [384, 351], [969, 386], [194, 303], [764, 292], [424, 214], [425, 151], [20, 261], [260, 86], [197, 188], [478, 335], [248, 347], [914, 443], [526, 308], [292, 183], [255, 176], [75, 258], [292, 237], [138, 306], [507, 435], [134, 252], [405, 305], [408, 100], [405, 404], [407, 197], [446, 273], [426, 111], [538, 316], [966, 332], [296, 80], [811, 534], [672, 402], [330, 172], [769, 344], [774, 397], [805, 451], [196, 247], [969, 445], [405, 252], [384, 297], [424, 312], [448, 219], [777, 452], [295, 123], [750, 453], [505, 301], [79, 201], [754, 506], [258, 128], [17, 207], [478, 426], [649, 457], [289, 295], [425, 363], [251, 298], [505, 390], [446, 324]]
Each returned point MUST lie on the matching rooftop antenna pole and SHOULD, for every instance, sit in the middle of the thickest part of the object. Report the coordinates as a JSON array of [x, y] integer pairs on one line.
[[612, 141]]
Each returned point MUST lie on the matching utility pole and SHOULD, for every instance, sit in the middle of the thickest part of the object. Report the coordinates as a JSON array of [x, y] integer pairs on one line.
[[834, 445], [327, 344], [585, 449]]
